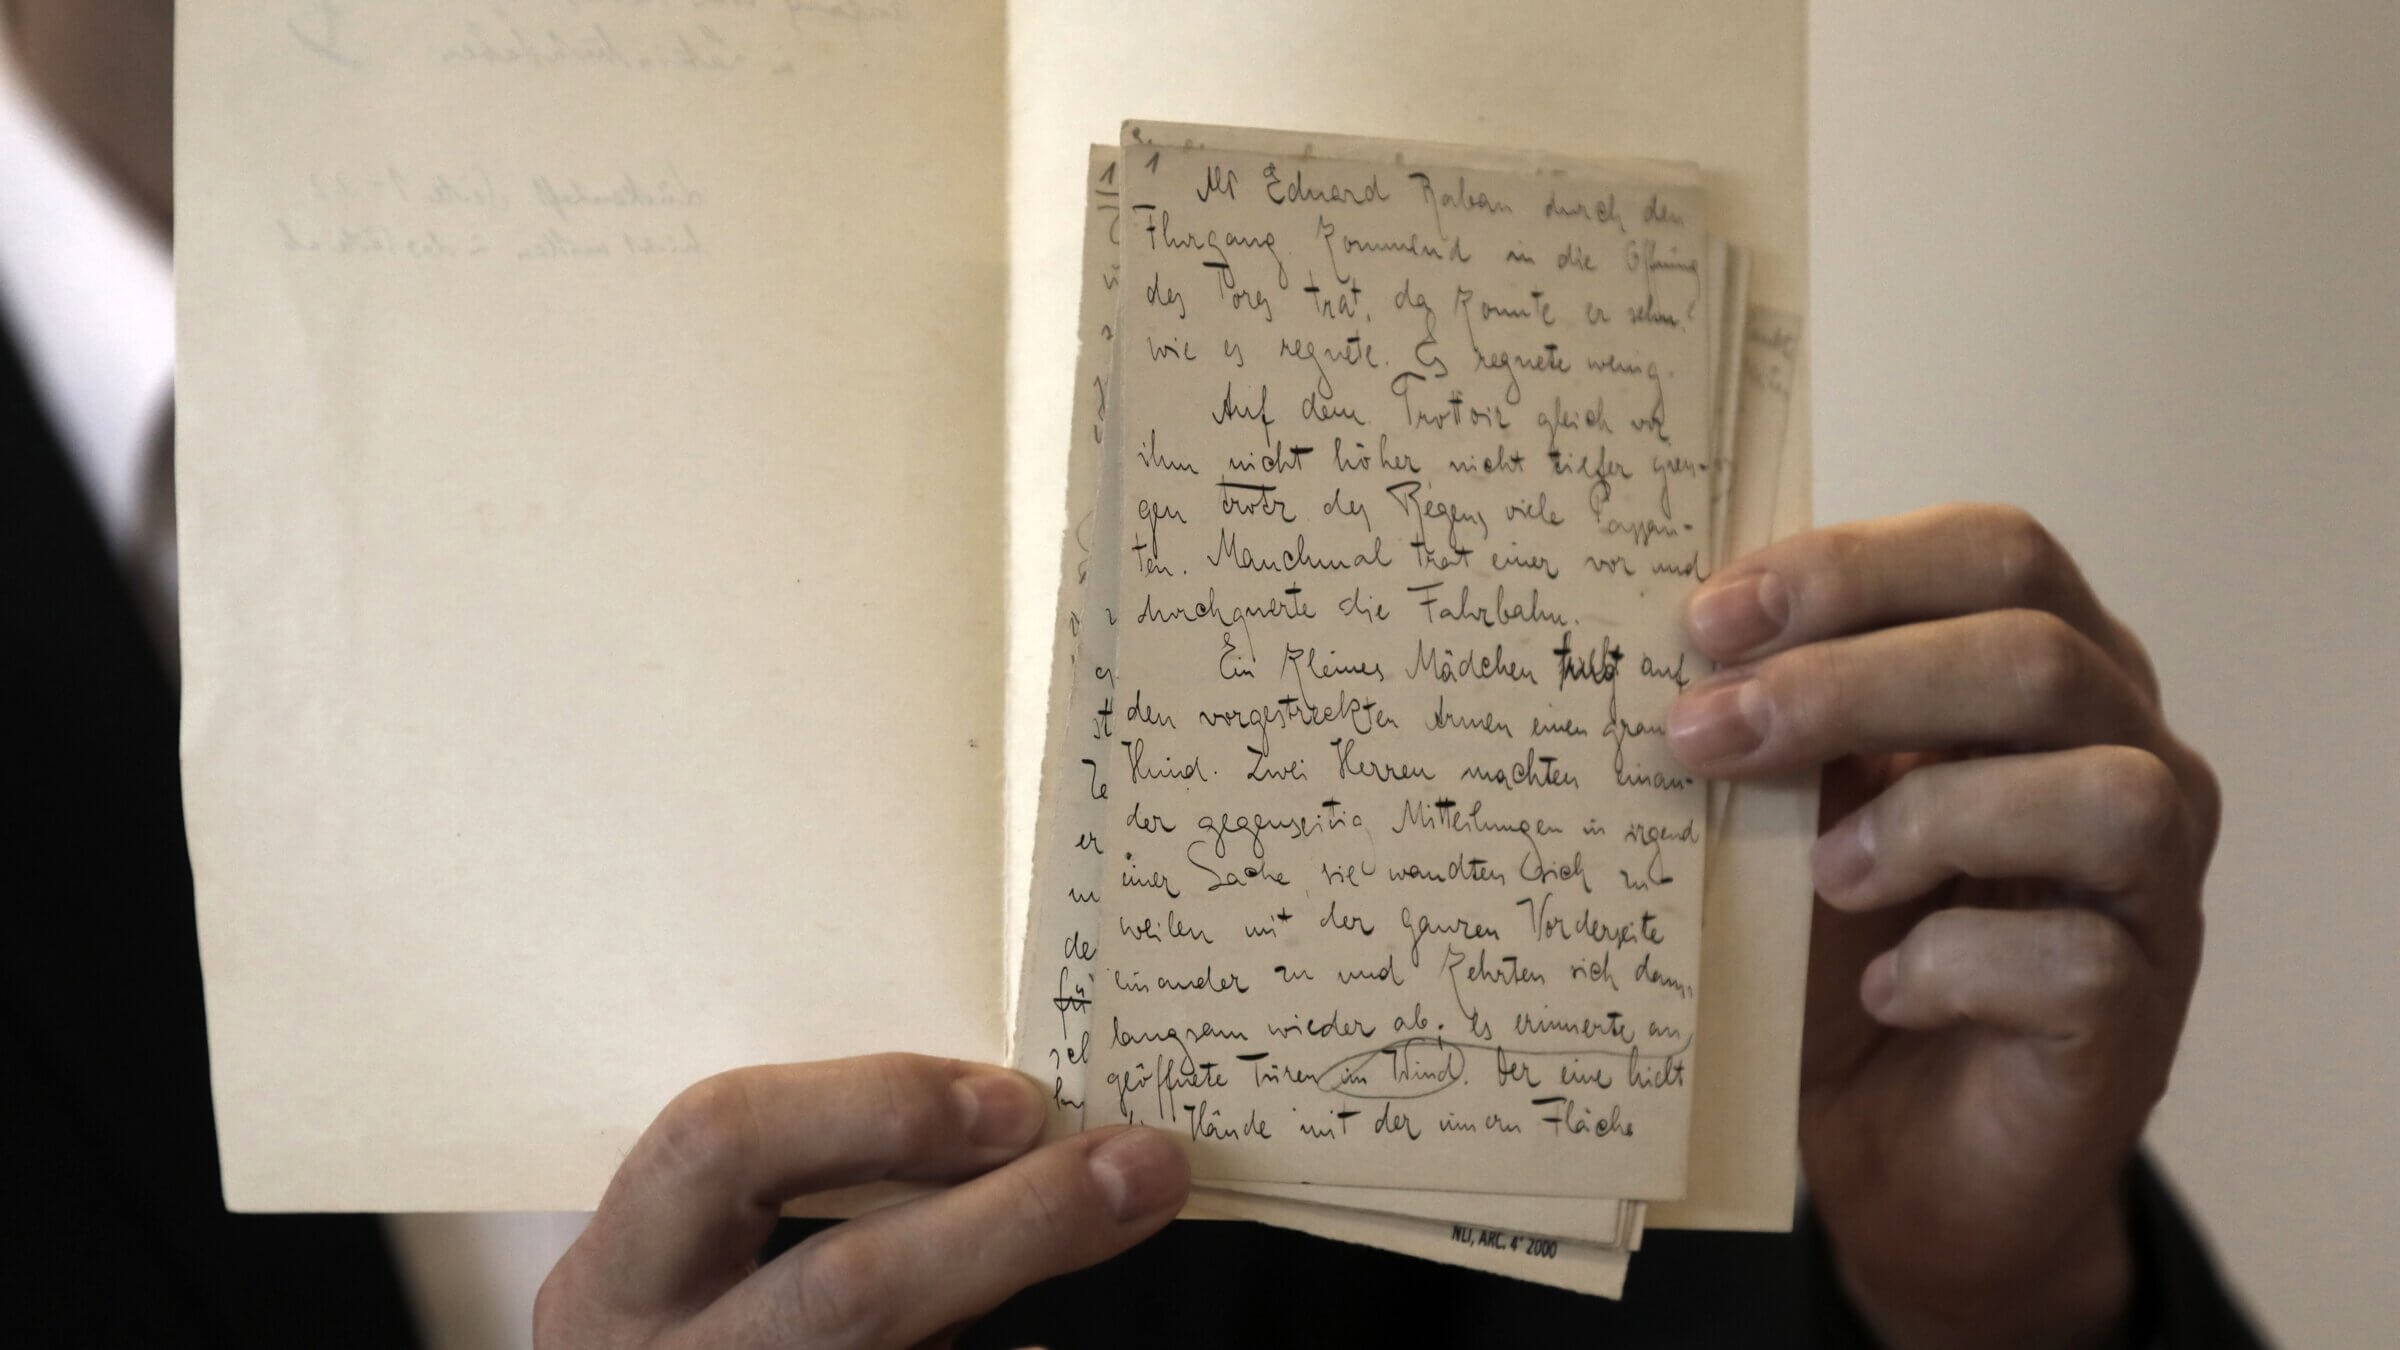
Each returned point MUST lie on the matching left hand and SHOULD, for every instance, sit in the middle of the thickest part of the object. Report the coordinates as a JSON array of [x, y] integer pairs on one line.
[[668, 1259], [2008, 927]]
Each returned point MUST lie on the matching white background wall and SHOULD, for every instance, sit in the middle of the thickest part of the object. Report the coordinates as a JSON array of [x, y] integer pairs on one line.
[[2137, 267]]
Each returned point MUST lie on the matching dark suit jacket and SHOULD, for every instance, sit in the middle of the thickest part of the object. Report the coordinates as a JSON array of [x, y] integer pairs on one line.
[[112, 1227], [115, 1233]]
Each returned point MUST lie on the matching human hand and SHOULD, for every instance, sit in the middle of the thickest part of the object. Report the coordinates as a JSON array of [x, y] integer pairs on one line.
[[668, 1259], [2008, 923]]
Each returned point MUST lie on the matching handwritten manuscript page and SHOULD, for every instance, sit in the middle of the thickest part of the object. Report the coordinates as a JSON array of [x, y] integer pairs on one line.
[[1052, 1037], [1263, 610], [1719, 85]]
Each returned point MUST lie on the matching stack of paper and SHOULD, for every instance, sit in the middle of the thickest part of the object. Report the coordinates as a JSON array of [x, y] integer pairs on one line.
[[1361, 864]]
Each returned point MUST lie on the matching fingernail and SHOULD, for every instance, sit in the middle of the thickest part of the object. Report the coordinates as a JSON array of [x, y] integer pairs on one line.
[[1877, 984], [1844, 856], [1139, 1172], [1732, 616], [1723, 718], [1001, 1110]]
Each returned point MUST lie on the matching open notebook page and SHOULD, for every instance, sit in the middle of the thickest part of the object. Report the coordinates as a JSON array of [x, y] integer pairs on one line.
[[478, 1059], [591, 489]]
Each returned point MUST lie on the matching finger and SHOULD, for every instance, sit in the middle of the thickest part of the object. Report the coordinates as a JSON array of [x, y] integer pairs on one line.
[[2010, 679], [896, 1276], [2067, 975], [1936, 563], [701, 1189], [2110, 820]]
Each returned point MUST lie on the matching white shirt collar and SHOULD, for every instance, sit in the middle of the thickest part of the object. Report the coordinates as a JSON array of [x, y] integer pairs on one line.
[[88, 292]]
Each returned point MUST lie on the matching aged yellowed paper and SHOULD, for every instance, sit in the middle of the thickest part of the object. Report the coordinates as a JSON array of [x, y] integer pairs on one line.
[[1721, 85], [591, 482], [543, 702]]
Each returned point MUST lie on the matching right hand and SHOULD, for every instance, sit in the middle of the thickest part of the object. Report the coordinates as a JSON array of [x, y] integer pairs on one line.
[[669, 1259], [2009, 924]]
